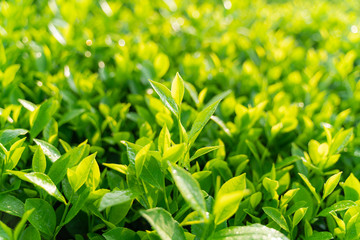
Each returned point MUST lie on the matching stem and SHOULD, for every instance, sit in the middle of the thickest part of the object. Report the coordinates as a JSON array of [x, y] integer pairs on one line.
[[146, 196], [207, 223], [180, 129], [166, 199], [61, 224]]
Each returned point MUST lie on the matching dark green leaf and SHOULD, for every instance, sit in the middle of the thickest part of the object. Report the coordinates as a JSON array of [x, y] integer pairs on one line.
[[43, 217], [189, 188], [164, 224], [11, 205], [275, 215], [41, 180], [8, 135], [253, 232], [338, 206], [116, 197]]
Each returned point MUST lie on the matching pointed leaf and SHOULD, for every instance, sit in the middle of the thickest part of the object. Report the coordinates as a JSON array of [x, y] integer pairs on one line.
[[253, 232], [116, 197], [20, 226], [59, 168], [331, 184], [39, 161], [164, 224], [77, 205], [82, 171], [277, 217], [339, 141], [121, 168], [41, 180], [177, 89], [30, 233], [352, 188], [42, 116], [165, 96], [174, 153], [203, 151], [189, 188], [338, 206], [43, 217], [9, 134], [11, 205], [299, 214], [228, 198], [201, 119], [140, 159], [49, 150], [311, 188]]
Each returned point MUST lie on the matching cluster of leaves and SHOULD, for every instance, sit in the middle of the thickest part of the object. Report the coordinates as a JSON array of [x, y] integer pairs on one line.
[[262, 139]]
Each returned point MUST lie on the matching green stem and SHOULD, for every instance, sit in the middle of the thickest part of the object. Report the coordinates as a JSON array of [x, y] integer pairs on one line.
[[166, 199], [61, 224], [180, 129], [146, 199], [207, 223]]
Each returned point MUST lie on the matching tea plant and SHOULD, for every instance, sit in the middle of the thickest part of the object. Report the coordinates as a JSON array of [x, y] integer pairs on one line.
[[102, 138]]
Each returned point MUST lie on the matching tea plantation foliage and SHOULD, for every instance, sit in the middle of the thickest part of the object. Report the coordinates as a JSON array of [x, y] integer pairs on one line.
[[179, 119]]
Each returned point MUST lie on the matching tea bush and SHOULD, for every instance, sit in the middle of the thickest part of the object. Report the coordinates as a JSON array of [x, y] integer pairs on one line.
[[179, 119]]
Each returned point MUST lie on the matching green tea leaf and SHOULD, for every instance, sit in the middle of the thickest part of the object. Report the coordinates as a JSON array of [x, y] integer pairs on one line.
[[41, 116], [331, 184], [30, 233], [228, 198], [49, 150], [41, 180], [174, 153], [70, 115], [141, 158], [286, 198], [7, 135], [299, 214], [77, 205], [5, 231], [20, 226], [311, 188], [116, 197], [59, 168], [79, 176], [152, 174], [161, 64], [43, 217], [218, 98], [352, 188], [39, 161], [165, 96], [189, 188], [14, 158], [11, 205], [201, 119], [121, 168], [277, 217], [338, 206], [320, 236], [203, 151], [254, 232], [339, 141], [177, 89], [121, 233], [164, 224]]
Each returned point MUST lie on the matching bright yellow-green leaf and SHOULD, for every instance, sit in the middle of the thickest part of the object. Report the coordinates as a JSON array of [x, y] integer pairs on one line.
[[177, 89]]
